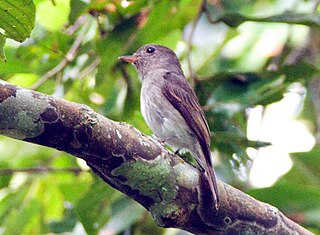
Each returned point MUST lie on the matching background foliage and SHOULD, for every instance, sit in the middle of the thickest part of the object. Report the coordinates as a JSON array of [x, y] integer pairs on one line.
[[239, 56]]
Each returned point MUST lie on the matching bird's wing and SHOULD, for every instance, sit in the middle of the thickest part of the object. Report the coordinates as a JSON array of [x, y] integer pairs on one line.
[[183, 99]]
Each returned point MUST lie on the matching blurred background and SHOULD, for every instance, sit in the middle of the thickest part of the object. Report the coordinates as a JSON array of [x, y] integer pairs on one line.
[[255, 68]]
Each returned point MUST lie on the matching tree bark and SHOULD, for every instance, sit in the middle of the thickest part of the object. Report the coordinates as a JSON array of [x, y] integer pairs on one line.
[[174, 192]]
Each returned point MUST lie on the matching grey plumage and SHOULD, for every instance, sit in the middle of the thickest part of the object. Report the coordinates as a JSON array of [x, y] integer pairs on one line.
[[171, 108]]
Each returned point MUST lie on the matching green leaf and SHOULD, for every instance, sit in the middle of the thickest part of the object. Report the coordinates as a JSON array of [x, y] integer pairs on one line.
[[308, 113], [125, 212], [4, 178], [68, 222], [308, 164], [12, 200], [93, 208], [17, 220], [234, 19], [77, 8], [232, 93], [289, 197], [73, 190], [17, 18], [312, 218], [2, 42], [178, 13], [237, 138], [48, 10], [52, 199]]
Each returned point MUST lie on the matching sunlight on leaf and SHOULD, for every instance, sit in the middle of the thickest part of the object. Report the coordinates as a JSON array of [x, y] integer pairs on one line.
[[17, 18], [59, 12]]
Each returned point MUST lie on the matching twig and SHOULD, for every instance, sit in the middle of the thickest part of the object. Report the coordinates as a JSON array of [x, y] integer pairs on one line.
[[41, 170], [80, 21], [71, 54], [295, 55], [304, 52], [317, 2], [193, 76], [89, 68], [203, 9]]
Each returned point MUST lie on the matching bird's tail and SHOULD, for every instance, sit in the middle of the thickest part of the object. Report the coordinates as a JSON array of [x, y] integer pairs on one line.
[[210, 174], [212, 182]]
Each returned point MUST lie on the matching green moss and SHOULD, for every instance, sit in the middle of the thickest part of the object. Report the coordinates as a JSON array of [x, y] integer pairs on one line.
[[152, 178], [161, 211], [27, 124]]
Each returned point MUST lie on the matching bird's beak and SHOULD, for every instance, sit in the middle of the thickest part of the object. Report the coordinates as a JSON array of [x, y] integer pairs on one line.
[[128, 58]]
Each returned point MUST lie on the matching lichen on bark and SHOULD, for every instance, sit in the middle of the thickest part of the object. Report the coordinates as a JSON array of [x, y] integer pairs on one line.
[[17, 120], [152, 178]]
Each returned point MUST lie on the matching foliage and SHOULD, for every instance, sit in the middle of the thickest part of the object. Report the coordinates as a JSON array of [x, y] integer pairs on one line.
[[72, 53], [18, 20]]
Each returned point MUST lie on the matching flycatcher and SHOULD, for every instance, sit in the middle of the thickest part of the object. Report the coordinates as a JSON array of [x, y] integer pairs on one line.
[[171, 108]]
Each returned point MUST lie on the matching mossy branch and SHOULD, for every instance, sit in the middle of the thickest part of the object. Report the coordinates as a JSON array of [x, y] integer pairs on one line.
[[175, 193]]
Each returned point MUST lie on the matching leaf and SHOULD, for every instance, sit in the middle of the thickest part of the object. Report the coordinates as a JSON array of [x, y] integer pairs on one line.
[[73, 190], [17, 18], [232, 93], [2, 42], [308, 113], [18, 219], [308, 164], [48, 10], [289, 197], [179, 14], [17, 21], [228, 95], [12, 200], [125, 212], [93, 207], [242, 140], [68, 222], [77, 8], [234, 19], [52, 199], [4, 178]]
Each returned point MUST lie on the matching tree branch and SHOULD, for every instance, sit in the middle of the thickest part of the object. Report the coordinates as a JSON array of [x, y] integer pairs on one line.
[[175, 193]]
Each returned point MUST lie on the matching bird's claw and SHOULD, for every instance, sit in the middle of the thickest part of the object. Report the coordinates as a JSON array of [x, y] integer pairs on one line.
[[162, 142]]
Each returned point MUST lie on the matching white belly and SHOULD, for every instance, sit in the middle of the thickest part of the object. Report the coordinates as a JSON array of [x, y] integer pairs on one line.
[[164, 120]]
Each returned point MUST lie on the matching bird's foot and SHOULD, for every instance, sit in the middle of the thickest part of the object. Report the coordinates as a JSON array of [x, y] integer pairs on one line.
[[163, 141]]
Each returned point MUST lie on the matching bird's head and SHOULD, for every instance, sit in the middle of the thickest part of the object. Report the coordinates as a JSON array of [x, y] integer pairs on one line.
[[151, 58]]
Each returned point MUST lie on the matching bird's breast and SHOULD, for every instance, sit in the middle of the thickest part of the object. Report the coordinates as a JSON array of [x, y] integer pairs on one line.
[[162, 118], [150, 102]]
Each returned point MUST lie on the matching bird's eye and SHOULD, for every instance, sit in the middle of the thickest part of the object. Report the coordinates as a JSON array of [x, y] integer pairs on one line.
[[150, 50]]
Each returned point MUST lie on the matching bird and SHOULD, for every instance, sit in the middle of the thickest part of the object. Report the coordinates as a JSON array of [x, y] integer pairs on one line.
[[171, 108]]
